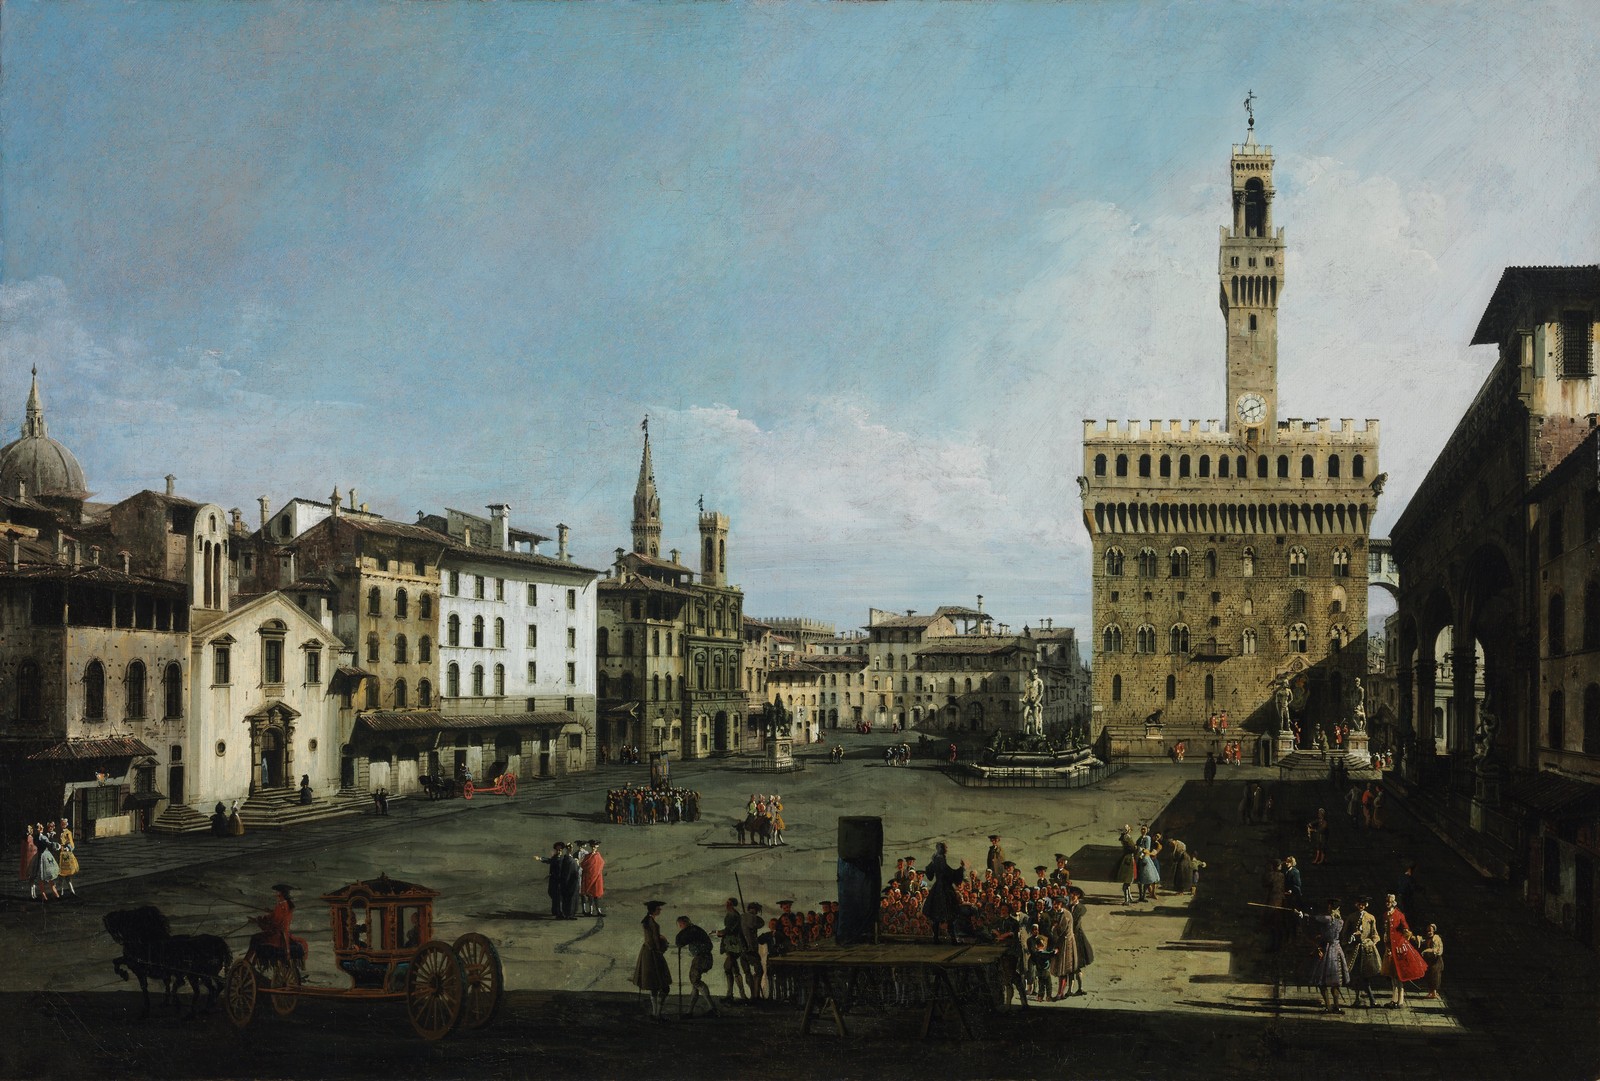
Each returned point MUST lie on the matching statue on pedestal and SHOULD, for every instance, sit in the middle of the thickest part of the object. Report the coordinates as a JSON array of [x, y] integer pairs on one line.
[[1280, 698], [1483, 735], [1033, 705], [1358, 714]]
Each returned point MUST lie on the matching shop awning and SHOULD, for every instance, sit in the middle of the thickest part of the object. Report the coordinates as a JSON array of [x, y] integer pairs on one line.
[[92, 750], [426, 720], [1552, 795]]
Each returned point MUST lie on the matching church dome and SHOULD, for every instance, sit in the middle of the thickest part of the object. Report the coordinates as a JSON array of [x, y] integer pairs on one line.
[[37, 465]]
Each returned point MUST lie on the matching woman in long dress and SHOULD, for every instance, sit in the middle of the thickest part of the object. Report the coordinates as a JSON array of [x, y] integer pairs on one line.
[[69, 855], [650, 972], [46, 868], [1149, 876], [27, 853]]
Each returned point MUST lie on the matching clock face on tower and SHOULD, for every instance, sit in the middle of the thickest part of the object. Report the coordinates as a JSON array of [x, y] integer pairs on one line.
[[1252, 407]]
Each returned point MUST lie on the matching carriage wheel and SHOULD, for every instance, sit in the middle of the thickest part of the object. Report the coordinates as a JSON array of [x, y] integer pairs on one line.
[[468, 789], [283, 988], [434, 991], [511, 783], [485, 979], [239, 993]]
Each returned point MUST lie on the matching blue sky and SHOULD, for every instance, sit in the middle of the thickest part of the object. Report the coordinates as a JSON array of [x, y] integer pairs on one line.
[[867, 267]]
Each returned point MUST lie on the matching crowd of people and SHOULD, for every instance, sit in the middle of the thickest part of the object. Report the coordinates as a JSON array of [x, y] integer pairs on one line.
[[637, 805], [49, 860], [627, 755]]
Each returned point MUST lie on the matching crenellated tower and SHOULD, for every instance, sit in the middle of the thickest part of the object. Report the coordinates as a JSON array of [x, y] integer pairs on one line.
[[713, 548], [1250, 266], [646, 505]]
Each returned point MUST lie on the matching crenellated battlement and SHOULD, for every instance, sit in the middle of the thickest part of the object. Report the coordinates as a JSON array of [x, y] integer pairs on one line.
[[1295, 431]]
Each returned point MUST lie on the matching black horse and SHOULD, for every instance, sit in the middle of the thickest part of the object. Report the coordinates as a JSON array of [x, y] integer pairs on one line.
[[151, 951], [438, 786], [757, 828]]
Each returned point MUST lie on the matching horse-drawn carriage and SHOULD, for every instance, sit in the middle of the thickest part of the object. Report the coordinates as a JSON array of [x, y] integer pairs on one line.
[[504, 785], [438, 786], [383, 940]]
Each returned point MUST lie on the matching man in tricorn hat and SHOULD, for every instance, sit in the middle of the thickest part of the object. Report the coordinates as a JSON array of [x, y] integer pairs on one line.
[[997, 856], [557, 886], [650, 972], [751, 925], [1062, 875]]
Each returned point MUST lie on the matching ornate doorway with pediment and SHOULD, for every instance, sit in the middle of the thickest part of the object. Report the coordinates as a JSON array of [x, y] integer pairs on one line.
[[272, 746]]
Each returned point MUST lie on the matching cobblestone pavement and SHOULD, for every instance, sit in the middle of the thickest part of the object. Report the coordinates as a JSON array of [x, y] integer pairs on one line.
[[1180, 988]]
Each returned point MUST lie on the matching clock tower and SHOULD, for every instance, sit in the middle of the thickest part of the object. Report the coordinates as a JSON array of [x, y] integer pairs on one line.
[[1251, 271]]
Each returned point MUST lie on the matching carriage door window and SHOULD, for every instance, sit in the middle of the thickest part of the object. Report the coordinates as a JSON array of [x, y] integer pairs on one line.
[[411, 927], [359, 937]]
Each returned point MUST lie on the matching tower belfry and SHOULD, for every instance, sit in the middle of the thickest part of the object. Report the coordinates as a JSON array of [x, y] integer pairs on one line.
[[646, 504], [1251, 270]]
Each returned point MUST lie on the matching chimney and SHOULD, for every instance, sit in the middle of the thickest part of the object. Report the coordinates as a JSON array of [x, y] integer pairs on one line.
[[466, 535], [561, 544], [61, 546], [126, 561], [980, 604], [74, 553], [352, 499], [363, 508], [261, 499], [911, 611], [16, 551], [172, 484], [333, 501], [94, 554], [500, 526], [236, 520], [618, 564], [22, 488], [674, 555]]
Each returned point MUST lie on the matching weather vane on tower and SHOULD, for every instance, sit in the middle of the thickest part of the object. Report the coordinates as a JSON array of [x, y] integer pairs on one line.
[[1249, 107]]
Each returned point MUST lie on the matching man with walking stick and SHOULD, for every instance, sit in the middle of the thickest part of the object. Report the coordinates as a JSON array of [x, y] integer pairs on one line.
[[698, 943], [650, 972]]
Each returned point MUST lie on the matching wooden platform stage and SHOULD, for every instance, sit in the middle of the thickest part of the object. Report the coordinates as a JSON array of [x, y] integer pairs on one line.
[[835, 974]]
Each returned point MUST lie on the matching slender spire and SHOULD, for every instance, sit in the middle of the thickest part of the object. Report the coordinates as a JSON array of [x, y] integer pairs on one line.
[[33, 421], [646, 504]]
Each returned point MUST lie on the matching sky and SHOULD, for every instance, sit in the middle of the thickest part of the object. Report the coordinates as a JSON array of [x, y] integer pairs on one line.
[[866, 268]]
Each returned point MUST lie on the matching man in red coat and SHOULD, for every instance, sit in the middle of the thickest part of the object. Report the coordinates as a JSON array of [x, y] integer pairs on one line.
[[592, 887], [1402, 963]]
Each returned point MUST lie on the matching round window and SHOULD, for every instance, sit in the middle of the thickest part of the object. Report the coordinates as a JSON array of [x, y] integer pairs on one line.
[[222, 748], [312, 745]]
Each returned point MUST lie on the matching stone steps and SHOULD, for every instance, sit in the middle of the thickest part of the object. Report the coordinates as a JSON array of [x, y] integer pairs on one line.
[[180, 818], [272, 811]]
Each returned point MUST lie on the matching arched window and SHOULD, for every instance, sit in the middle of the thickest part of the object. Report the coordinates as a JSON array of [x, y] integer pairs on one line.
[[1557, 617], [1591, 616], [399, 649], [1144, 465], [1255, 207], [1283, 466], [1298, 637], [1261, 466], [453, 630], [477, 631], [1111, 639], [372, 648], [1341, 562], [627, 643], [374, 602], [1556, 734], [1211, 563], [1308, 467], [401, 606], [400, 694], [1147, 563], [603, 642], [1116, 688], [1172, 687], [172, 691], [669, 686], [1147, 639], [1297, 562], [1183, 465], [1166, 465], [477, 681], [1099, 465], [424, 693], [94, 692], [133, 684], [1297, 602], [1222, 466], [1211, 687], [1338, 637], [1358, 467], [1178, 562], [1591, 719], [424, 649], [372, 692], [452, 680], [1247, 566], [602, 685], [951, 689], [500, 679], [1178, 638], [1333, 467], [1113, 562], [425, 608], [1248, 645], [1122, 465], [499, 633], [1205, 465]]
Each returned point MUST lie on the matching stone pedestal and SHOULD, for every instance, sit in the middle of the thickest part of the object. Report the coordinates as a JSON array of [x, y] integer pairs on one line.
[[780, 753], [1285, 745], [1355, 744]]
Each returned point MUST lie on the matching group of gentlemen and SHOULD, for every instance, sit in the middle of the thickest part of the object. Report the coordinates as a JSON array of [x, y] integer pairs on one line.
[[48, 859], [577, 879], [1144, 862], [635, 805], [764, 815], [1371, 947]]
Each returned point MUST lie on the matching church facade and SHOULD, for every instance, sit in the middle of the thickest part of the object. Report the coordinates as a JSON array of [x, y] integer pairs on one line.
[[1229, 555]]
